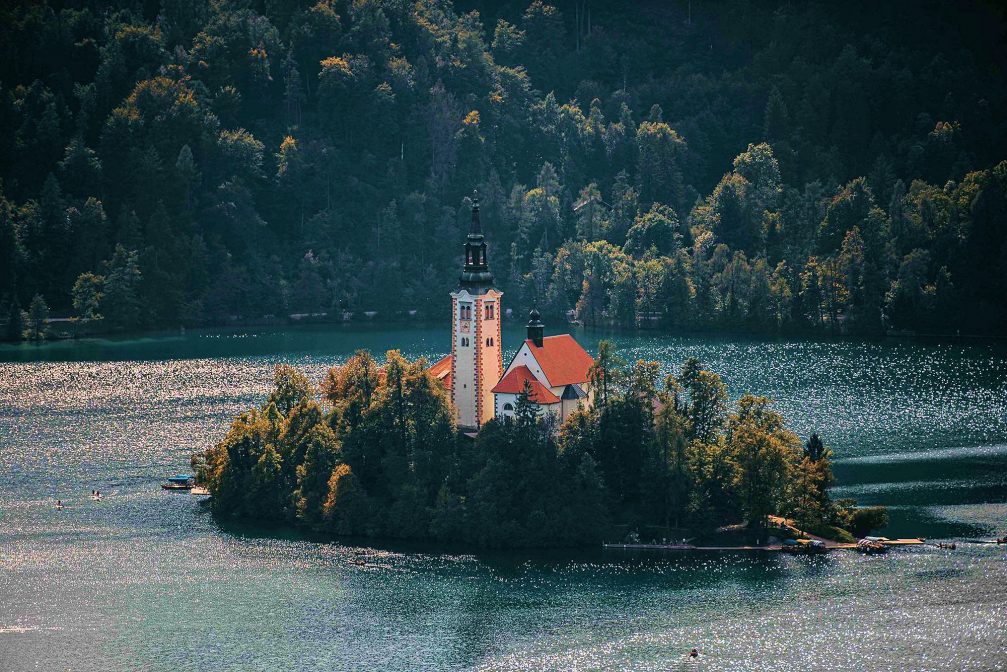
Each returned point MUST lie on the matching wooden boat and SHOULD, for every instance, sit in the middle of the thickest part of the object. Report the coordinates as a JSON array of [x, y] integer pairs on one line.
[[803, 546], [871, 546], [179, 482], [812, 546]]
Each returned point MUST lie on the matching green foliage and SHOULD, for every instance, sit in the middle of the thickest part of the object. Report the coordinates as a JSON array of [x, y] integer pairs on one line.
[[345, 508], [861, 521], [867, 519], [605, 372], [14, 329], [264, 159], [291, 387], [657, 230], [121, 304], [241, 151], [763, 450], [320, 459], [36, 320], [832, 532], [87, 295], [706, 404]]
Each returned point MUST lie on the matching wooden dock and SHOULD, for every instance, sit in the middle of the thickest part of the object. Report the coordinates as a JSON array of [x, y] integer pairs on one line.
[[829, 545], [903, 542], [779, 522]]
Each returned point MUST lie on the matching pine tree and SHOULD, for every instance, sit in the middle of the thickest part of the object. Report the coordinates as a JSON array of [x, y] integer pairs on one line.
[[605, 374], [313, 474], [87, 295], [775, 126], [121, 304], [14, 330], [293, 94], [345, 508], [37, 322]]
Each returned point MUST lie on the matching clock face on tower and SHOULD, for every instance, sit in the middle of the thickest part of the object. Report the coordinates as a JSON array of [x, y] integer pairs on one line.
[[465, 327]]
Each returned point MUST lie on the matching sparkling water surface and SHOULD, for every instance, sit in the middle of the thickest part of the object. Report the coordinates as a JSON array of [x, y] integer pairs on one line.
[[148, 580]]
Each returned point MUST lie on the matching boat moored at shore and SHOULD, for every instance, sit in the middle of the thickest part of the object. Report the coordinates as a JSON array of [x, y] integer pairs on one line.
[[179, 482]]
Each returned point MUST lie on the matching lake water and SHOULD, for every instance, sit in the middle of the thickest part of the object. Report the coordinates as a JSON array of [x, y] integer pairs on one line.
[[147, 580]]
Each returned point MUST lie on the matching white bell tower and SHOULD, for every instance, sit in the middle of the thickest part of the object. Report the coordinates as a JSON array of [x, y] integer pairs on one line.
[[477, 360]]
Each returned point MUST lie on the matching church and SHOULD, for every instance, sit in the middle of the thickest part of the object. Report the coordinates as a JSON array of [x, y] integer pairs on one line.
[[554, 368]]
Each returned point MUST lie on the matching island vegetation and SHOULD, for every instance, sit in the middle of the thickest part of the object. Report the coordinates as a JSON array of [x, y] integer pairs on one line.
[[767, 167], [374, 452]]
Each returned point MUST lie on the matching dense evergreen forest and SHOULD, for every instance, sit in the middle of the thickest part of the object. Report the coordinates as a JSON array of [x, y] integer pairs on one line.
[[375, 452], [751, 166]]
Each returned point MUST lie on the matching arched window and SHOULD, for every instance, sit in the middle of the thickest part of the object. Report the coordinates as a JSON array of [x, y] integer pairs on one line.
[[508, 407]]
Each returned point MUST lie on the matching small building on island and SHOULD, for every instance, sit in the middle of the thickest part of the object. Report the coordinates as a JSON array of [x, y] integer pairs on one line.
[[554, 368]]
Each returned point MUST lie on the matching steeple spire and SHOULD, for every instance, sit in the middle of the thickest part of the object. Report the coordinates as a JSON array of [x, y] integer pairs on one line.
[[475, 228], [476, 276], [536, 330]]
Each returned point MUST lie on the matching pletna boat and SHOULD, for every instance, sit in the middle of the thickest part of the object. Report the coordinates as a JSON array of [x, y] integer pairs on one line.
[[791, 546], [179, 482], [803, 546], [872, 546], [812, 546]]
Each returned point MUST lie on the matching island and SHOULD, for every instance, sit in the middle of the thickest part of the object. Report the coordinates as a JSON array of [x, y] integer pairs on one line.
[[373, 451]]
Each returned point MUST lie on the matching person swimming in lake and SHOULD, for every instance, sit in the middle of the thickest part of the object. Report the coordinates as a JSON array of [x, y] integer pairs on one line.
[[59, 503], [694, 653]]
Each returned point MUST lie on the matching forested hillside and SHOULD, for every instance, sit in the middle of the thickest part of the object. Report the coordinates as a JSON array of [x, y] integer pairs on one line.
[[749, 166]]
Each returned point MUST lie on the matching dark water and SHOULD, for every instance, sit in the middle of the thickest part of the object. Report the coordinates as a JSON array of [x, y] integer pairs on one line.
[[147, 580]]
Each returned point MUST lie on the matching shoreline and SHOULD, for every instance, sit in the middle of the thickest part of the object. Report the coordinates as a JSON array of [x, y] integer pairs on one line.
[[74, 330], [830, 546], [255, 328]]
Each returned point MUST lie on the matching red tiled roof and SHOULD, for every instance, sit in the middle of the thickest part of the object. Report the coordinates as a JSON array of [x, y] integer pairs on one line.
[[562, 359], [513, 383], [442, 370]]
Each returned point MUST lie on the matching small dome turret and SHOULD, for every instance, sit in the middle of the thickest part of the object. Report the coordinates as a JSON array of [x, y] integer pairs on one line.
[[536, 330]]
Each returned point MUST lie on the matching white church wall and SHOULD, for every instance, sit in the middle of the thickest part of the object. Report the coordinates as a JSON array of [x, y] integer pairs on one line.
[[524, 357], [503, 400]]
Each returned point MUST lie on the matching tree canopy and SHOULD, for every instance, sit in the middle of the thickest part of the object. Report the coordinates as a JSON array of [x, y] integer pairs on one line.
[[725, 165]]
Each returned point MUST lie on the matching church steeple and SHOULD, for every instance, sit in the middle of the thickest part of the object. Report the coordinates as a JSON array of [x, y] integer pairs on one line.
[[476, 355], [476, 276]]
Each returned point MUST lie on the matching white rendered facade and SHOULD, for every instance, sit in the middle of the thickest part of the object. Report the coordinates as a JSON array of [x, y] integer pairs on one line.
[[506, 402]]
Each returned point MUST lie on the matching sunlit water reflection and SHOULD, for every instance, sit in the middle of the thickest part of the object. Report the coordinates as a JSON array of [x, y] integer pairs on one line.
[[147, 580]]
